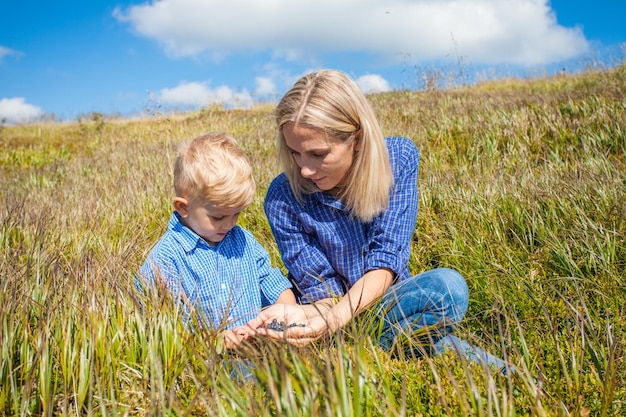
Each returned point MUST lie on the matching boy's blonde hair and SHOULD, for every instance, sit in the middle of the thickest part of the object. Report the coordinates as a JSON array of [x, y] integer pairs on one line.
[[213, 167], [330, 101]]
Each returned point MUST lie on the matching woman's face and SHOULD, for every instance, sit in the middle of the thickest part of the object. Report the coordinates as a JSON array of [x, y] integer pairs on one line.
[[321, 159]]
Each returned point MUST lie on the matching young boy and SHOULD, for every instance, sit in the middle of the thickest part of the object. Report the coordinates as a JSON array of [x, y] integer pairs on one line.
[[204, 258]]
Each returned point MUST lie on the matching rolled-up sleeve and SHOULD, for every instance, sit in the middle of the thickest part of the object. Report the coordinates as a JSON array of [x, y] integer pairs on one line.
[[391, 233]]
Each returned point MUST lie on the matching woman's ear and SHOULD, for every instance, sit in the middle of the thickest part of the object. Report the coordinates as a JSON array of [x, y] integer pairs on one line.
[[358, 135], [181, 206]]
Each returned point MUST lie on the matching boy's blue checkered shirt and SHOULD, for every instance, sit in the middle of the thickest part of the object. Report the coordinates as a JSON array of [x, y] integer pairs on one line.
[[227, 283], [326, 250]]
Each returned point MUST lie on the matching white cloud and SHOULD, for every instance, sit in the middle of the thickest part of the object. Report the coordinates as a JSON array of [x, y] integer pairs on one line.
[[16, 110], [372, 83], [487, 31], [4, 51], [199, 94], [265, 87]]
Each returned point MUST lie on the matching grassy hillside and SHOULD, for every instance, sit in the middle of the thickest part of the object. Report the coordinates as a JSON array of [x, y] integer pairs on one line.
[[522, 188]]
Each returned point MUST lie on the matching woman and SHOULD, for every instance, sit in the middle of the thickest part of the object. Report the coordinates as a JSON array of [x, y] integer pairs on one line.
[[343, 214]]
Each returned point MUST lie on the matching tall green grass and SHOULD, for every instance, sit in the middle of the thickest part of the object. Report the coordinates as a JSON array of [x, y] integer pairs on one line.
[[522, 189]]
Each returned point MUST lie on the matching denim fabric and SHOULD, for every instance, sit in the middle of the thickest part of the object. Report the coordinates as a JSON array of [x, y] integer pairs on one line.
[[472, 353], [430, 304], [240, 370], [420, 313]]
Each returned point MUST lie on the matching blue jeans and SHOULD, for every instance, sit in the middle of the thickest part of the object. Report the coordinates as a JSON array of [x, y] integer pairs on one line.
[[430, 304], [420, 313]]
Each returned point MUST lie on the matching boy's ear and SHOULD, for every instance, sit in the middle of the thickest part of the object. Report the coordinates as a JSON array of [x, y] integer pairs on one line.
[[180, 205]]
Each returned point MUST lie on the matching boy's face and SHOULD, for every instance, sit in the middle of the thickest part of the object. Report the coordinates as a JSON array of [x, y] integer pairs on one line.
[[210, 222]]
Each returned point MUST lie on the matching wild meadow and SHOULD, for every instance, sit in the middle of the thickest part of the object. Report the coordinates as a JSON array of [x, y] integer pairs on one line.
[[522, 189]]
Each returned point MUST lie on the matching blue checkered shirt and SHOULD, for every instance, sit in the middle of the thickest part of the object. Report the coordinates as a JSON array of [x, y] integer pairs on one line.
[[227, 283], [326, 250]]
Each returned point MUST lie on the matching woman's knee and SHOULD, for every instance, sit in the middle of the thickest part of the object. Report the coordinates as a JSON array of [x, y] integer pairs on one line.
[[453, 288], [459, 293], [455, 282]]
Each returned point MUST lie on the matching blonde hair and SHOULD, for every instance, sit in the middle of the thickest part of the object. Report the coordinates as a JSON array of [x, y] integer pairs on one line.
[[330, 101], [213, 167]]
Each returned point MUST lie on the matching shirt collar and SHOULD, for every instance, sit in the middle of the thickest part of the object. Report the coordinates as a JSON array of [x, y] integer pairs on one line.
[[188, 239], [329, 200]]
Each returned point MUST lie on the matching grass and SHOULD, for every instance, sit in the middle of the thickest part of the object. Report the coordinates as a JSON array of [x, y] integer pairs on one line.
[[522, 189]]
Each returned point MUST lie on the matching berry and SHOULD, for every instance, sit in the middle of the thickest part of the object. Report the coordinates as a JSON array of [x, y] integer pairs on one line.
[[280, 326]]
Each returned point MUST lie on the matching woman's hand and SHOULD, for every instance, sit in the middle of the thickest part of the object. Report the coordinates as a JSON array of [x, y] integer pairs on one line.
[[302, 324]]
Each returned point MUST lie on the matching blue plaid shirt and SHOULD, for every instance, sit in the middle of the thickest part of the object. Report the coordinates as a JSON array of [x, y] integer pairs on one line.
[[326, 250], [228, 282]]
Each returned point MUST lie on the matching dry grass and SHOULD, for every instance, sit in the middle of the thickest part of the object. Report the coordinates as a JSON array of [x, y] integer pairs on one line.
[[522, 188]]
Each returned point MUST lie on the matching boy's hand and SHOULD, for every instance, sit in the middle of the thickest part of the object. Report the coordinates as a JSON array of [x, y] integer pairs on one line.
[[245, 332], [233, 339]]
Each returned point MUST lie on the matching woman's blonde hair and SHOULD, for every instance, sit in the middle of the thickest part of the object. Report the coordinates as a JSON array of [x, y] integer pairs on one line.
[[330, 101], [213, 167]]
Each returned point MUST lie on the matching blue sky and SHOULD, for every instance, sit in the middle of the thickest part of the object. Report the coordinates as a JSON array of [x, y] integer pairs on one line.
[[72, 58]]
